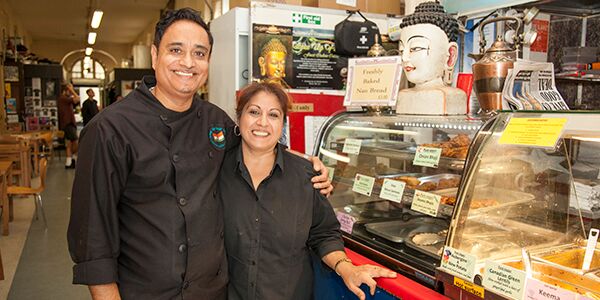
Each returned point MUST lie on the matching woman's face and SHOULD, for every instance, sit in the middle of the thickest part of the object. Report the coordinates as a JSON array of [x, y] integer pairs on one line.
[[261, 122]]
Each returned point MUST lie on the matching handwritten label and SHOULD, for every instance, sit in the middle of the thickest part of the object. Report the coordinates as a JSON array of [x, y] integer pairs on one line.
[[352, 146], [426, 203], [363, 184], [303, 107], [331, 172], [346, 221], [469, 287], [392, 190], [373, 81], [533, 131], [427, 157], [459, 263], [537, 290], [504, 280]]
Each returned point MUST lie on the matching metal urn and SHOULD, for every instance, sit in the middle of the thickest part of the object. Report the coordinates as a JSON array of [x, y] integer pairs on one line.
[[491, 68]]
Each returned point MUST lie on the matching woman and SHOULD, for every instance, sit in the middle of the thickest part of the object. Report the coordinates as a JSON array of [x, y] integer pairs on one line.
[[273, 216]]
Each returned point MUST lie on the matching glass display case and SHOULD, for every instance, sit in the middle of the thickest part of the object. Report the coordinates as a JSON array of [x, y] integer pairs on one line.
[[528, 200], [395, 181]]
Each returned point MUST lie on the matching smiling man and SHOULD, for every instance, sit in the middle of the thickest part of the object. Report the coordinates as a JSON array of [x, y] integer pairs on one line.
[[145, 220]]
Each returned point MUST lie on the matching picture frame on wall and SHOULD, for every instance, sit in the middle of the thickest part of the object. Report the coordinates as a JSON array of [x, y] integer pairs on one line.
[[11, 73]]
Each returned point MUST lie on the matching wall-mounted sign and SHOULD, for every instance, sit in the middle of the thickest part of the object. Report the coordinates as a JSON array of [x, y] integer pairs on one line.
[[373, 81]]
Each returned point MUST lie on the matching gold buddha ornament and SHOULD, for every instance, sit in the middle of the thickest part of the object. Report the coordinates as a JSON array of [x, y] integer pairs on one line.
[[272, 62]]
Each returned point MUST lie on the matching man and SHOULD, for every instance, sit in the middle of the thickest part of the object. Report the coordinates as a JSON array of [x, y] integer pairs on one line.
[[66, 122], [89, 108], [145, 220]]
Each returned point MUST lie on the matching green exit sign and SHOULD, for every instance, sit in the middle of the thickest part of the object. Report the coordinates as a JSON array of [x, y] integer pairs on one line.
[[306, 19]]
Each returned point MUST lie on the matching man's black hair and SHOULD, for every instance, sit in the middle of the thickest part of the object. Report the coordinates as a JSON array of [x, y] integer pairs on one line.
[[172, 16], [433, 13]]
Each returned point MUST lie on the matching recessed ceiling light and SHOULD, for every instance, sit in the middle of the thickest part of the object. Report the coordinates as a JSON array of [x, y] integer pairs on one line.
[[91, 38], [97, 18]]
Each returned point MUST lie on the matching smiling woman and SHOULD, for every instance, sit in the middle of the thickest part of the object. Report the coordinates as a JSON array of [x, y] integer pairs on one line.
[[272, 214]]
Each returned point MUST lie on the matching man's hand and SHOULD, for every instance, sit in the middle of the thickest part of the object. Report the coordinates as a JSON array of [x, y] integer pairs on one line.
[[321, 181], [105, 292], [354, 276]]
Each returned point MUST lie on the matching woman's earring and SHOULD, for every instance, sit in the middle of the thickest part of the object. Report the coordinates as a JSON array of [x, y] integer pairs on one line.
[[236, 130]]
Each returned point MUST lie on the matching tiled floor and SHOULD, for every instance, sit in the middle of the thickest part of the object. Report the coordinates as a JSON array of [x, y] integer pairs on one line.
[[44, 267]]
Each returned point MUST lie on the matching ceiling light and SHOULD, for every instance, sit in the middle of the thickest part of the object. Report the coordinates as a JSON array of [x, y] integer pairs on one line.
[[97, 18], [91, 38], [88, 51]]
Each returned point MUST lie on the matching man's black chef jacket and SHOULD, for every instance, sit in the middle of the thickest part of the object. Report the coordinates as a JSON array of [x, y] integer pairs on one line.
[[269, 232], [144, 211]]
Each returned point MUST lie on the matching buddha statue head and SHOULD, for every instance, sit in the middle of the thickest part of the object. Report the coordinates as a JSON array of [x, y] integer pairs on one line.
[[272, 59], [428, 44]]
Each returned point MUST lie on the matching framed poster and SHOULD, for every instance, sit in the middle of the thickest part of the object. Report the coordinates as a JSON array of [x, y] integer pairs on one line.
[[11, 73]]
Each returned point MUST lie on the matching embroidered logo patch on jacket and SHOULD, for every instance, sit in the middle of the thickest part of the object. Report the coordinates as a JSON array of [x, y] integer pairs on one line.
[[216, 135]]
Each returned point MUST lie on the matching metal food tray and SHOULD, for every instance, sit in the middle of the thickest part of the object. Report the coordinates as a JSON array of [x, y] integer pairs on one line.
[[431, 250], [385, 144], [399, 230]]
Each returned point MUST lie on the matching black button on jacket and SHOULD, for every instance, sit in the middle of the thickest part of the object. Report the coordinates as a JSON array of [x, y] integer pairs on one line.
[[269, 232], [129, 224]]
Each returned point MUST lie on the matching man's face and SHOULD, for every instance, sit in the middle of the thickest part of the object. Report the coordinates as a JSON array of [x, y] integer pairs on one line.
[[181, 61], [275, 64], [424, 50], [91, 94]]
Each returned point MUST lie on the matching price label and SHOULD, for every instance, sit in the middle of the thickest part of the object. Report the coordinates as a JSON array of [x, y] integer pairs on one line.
[[469, 287], [363, 184], [459, 263], [533, 131], [427, 157], [392, 190], [426, 203], [504, 280], [537, 290], [352, 146], [346, 221]]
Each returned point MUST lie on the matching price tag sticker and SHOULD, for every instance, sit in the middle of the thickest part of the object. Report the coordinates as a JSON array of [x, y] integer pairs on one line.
[[426, 203], [392, 190], [537, 290], [352, 146], [346, 221], [363, 184], [459, 263], [540, 132], [469, 287], [427, 157], [504, 280]]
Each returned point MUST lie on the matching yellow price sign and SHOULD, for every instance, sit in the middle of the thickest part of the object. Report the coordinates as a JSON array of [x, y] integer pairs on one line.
[[469, 287], [540, 132]]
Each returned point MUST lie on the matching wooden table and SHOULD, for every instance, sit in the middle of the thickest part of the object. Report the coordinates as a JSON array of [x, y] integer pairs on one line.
[[20, 154], [5, 177]]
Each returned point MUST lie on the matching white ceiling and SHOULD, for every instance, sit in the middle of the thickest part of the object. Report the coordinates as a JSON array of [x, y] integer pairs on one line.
[[123, 20]]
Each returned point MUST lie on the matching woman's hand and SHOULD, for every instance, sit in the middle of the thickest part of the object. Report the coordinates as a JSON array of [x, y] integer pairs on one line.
[[354, 276]]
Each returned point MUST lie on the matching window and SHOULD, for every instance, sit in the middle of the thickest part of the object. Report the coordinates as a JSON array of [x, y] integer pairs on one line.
[[87, 68]]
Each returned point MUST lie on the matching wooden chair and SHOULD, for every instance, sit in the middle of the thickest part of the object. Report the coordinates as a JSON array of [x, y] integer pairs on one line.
[[47, 144], [59, 142], [36, 192]]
